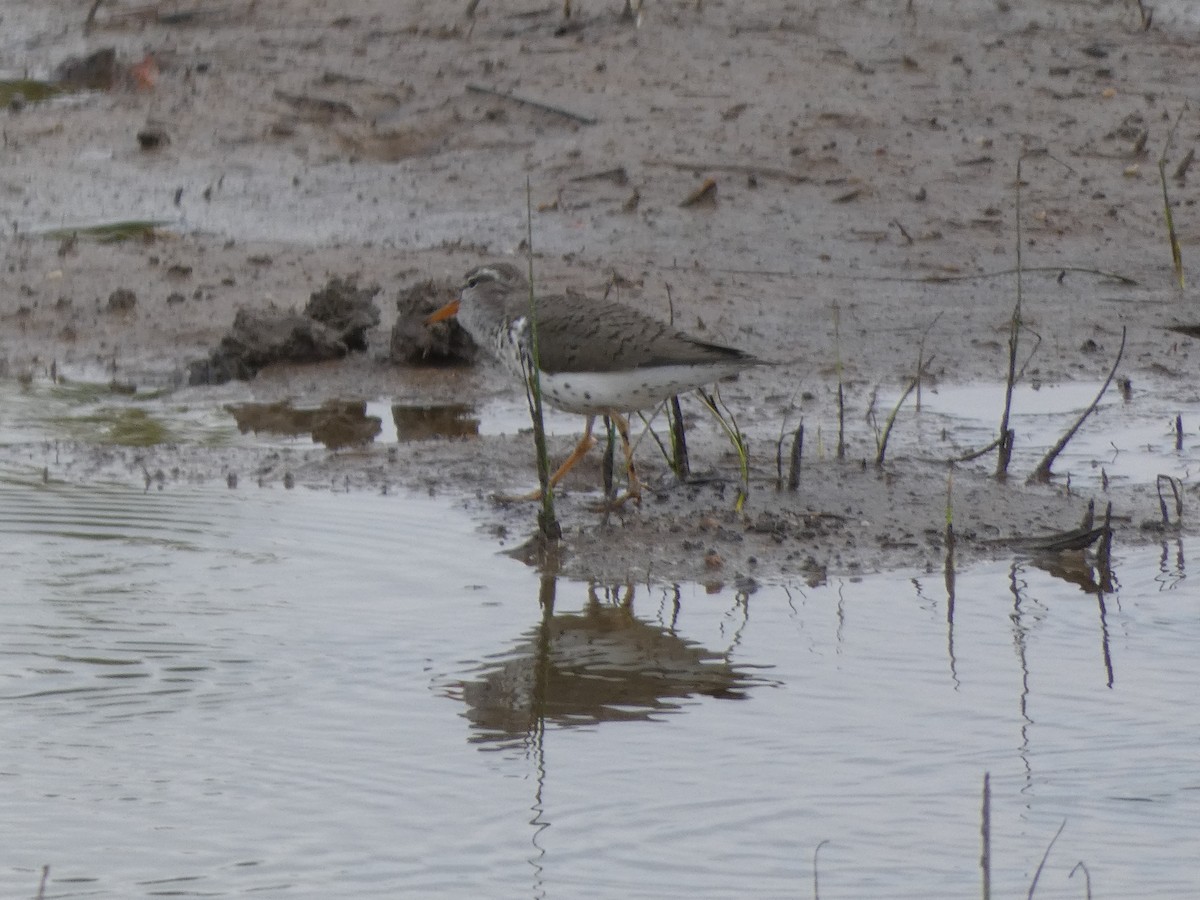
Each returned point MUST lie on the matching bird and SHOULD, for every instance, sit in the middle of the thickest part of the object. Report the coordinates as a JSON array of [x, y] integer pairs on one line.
[[596, 357]]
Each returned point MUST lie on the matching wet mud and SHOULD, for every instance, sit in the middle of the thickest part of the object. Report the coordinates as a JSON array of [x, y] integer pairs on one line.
[[832, 188]]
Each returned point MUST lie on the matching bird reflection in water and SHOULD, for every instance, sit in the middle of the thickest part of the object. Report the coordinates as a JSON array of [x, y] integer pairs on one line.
[[600, 664]]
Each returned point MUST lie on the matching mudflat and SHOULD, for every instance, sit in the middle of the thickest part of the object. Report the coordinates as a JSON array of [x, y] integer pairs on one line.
[[832, 186]]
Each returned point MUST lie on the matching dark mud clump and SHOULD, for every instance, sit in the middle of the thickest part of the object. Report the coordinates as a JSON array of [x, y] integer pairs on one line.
[[122, 300], [97, 71], [415, 343], [347, 309], [334, 323]]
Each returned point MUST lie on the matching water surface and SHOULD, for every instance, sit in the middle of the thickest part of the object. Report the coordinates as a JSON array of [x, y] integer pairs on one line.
[[300, 694]]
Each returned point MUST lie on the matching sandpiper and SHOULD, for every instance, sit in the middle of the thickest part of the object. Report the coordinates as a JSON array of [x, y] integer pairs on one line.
[[597, 357]]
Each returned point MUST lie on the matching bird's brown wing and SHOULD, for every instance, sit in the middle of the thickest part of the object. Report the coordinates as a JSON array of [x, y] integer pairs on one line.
[[580, 335]]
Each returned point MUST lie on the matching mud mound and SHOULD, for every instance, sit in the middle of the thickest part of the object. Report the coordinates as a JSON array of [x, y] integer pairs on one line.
[[415, 343], [334, 323]]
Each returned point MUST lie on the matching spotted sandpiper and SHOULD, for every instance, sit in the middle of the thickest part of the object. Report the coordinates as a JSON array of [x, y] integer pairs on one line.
[[598, 357]]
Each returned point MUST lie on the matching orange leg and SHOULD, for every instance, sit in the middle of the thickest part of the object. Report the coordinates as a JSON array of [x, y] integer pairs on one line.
[[586, 443], [635, 484]]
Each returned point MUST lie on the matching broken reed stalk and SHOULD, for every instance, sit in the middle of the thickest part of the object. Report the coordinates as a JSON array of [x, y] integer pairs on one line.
[[793, 479], [1005, 446], [891, 420], [921, 361], [841, 390], [1176, 253], [975, 454], [1176, 489], [679, 453], [985, 834], [1042, 472], [548, 524]]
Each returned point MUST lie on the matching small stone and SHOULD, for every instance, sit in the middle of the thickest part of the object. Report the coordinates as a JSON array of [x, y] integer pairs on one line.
[[153, 136], [122, 300]]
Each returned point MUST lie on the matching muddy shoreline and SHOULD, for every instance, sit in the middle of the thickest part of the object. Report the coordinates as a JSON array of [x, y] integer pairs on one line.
[[882, 189]]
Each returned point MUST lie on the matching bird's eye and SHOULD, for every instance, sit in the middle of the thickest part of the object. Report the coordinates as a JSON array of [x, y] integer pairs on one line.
[[472, 281]]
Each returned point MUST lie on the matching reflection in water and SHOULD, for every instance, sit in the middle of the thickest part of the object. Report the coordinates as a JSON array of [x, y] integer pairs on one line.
[[1171, 571], [1074, 567], [345, 423], [1020, 630], [600, 664], [950, 576], [335, 423], [597, 665], [423, 422]]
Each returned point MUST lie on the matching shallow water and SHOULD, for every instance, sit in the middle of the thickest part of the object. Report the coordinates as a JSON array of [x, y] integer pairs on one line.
[[207, 692], [1130, 438]]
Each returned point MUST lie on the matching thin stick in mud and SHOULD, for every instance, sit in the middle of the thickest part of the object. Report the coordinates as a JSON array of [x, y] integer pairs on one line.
[[548, 525], [793, 479], [534, 104], [891, 420], [1172, 237], [841, 389], [1007, 437], [1042, 472]]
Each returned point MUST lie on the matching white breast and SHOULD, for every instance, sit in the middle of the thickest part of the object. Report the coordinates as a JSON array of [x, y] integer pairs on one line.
[[595, 393]]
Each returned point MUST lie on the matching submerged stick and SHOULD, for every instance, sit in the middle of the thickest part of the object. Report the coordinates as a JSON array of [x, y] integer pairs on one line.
[[1042, 472]]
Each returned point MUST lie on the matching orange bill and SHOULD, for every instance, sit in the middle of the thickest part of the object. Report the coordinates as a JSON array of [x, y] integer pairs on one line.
[[446, 312]]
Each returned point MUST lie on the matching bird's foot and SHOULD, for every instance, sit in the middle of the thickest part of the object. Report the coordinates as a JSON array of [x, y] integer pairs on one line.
[[506, 499], [615, 504]]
